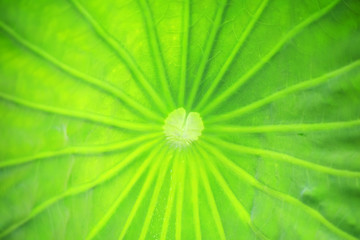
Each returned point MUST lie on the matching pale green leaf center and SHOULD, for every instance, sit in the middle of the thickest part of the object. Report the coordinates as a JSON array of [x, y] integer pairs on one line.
[[181, 129]]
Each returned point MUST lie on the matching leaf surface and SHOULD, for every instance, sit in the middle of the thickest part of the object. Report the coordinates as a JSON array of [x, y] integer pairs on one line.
[[86, 87]]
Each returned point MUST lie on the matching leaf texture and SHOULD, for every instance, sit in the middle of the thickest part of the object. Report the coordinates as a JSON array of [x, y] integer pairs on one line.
[[86, 88]]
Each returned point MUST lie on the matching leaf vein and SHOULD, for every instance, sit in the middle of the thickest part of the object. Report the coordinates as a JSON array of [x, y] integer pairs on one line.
[[233, 54], [279, 195], [137, 73], [284, 157], [285, 92], [100, 119], [78, 189], [239, 82]]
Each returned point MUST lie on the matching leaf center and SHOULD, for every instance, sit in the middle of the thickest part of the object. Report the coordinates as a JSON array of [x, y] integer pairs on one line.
[[181, 129]]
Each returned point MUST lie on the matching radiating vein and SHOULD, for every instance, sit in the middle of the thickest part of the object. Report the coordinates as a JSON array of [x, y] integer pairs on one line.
[[276, 194], [285, 92], [121, 51], [240, 209], [210, 43], [283, 157], [301, 127], [107, 121], [79, 189], [140, 198], [211, 201], [79, 150], [184, 49], [134, 179], [156, 51], [154, 198], [100, 85], [180, 200], [170, 201], [214, 83], [195, 199], [238, 83]]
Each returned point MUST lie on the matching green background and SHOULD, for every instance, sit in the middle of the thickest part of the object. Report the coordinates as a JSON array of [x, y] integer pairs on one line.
[[85, 87]]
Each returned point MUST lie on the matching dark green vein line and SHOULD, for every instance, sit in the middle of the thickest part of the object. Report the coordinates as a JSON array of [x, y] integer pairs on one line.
[[195, 199], [140, 198], [210, 43], [240, 209], [134, 179], [123, 54], [283, 157], [99, 85], [79, 189], [276, 194], [301, 127], [211, 201], [185, 49], [156, 50], [238, 83], [170, 201], [107, 121], [285, 92], [79, 150], [232, 55], [154, 198], [180, 200]]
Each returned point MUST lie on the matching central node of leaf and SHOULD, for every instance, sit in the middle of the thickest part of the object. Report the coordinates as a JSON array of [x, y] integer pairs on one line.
[[181, 129]]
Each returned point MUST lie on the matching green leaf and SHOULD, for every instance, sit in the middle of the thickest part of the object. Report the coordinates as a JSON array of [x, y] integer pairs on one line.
[[158, 119]]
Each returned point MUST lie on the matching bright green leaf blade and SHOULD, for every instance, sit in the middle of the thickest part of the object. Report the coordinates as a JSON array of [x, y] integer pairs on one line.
[[166, 119]]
